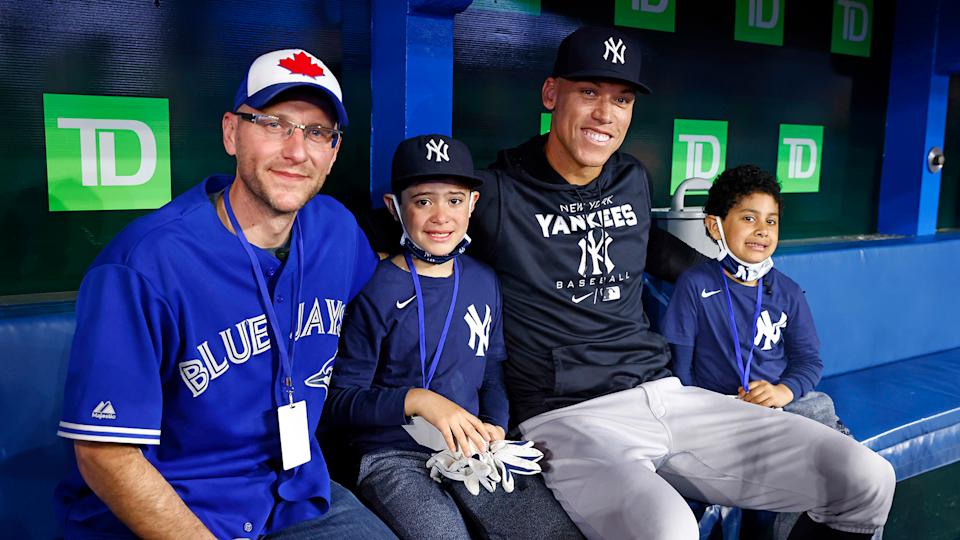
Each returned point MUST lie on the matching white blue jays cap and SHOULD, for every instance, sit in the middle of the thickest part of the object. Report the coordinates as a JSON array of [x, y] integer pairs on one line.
[[278, 71]]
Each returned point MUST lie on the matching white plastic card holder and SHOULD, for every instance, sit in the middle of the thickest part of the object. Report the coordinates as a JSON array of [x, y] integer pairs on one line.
[[425, 434], [294, 435]]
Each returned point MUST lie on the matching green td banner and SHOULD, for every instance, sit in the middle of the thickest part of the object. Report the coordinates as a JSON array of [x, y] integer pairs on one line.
[[106, 153], [799, 154], [852, 27], [699, 150], [647, 14], [759, 21]]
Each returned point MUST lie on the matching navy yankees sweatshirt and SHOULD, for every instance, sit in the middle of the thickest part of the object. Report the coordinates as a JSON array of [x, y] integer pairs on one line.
[[570, 260]]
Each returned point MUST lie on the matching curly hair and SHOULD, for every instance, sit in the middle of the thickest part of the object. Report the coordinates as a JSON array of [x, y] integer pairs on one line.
[[739, 182]]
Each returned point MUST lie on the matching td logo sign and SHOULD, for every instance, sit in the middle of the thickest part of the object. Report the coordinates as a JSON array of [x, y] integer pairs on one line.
[[798, 158], [699, 150], [852, 27], [647, 14], [106, 153], [759, 21]]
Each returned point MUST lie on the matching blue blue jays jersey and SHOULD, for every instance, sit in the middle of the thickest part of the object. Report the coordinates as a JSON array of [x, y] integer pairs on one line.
[[784, 339], [379, 358], [173, 353]]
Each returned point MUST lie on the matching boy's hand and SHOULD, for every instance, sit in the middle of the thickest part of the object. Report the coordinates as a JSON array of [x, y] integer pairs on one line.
[[766, 394], [494, 433], [458, 427]]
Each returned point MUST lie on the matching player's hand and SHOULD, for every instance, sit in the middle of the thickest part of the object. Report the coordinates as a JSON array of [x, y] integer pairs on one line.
[[494, 433], [766, 394], [458, 427]]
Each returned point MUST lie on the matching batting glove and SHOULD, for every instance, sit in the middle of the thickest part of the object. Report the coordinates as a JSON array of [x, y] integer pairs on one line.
[[514, 457], [473, 472]]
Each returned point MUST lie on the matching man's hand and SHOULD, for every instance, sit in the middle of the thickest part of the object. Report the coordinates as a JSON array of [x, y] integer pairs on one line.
[[458, 427], [766, 394]]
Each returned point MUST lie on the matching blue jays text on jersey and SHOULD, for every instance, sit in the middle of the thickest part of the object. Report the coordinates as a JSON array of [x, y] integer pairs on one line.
[[253, 339]]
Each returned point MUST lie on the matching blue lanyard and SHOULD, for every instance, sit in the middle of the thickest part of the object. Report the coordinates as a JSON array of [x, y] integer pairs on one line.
[[744, 369], [286, 353], [425, 378]]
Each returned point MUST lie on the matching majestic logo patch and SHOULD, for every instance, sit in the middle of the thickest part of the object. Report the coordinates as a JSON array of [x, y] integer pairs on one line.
[[616, 48], [769, 330], [437, 150], [321, 379], [104, 411], [302, 64], [479, 329]]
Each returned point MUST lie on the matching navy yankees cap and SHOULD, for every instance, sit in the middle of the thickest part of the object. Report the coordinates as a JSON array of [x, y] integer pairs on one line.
[[593, 52], [426, 157], [278, 71]]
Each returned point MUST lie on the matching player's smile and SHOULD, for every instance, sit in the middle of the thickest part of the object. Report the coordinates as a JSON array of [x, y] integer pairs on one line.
[[597, 136], [590, 121]]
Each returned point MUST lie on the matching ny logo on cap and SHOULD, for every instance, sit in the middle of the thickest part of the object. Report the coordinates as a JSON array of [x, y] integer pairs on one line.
[[437, 149], [616, 48]]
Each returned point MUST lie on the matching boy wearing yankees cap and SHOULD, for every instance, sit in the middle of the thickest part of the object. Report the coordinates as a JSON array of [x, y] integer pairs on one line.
[[206, 333], [419, 359], [565, 223]]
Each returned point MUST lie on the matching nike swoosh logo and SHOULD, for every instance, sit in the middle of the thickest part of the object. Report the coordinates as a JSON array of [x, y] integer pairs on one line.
[[401, 305], [705, 294], [582, 298]]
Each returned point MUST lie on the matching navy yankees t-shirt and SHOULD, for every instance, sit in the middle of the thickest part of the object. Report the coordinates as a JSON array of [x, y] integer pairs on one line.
[[379, 357], [784, 339]]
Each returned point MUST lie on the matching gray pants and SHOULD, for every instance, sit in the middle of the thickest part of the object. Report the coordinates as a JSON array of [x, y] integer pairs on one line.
[[398, 487], [622, 463]]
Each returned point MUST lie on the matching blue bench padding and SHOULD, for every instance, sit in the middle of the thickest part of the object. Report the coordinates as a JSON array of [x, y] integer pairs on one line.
[[908, 411], [881, 301], [35, 344]]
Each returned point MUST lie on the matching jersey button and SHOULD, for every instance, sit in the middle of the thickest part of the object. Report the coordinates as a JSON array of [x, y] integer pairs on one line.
[[271, 272], [279, 299], [247, 527]]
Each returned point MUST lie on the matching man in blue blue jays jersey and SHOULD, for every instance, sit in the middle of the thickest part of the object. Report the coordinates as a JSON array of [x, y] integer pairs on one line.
[[425, 338], [206, 334]]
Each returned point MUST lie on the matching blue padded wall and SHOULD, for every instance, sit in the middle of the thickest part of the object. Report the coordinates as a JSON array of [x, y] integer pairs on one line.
[[881, 301], [35, 342]]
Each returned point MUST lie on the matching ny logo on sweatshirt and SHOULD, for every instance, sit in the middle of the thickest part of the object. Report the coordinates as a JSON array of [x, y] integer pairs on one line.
[[595, 250], [479, 329], [768, 329]]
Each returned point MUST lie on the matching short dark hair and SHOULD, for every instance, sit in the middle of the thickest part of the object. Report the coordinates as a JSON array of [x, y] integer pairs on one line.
[[739, 182]]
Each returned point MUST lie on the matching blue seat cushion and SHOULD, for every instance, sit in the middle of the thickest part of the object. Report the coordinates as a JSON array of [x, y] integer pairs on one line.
[[907, 411]]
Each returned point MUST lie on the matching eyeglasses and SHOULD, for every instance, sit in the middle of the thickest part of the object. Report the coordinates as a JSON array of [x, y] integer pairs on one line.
[[278, 127]]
